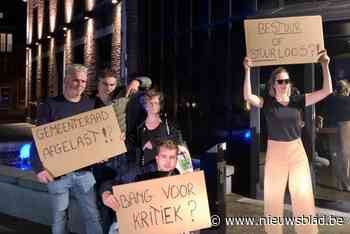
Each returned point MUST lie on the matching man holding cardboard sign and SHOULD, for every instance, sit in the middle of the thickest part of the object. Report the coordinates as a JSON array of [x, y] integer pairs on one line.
[[80, 182], [166, 159]]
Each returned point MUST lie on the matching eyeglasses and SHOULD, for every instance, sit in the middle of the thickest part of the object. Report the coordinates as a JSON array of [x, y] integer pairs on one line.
[[284, 81]]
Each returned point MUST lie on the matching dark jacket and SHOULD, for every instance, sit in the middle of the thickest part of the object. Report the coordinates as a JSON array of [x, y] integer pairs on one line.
[[165, 131], [156, 174], [145, 173], [131, 176]]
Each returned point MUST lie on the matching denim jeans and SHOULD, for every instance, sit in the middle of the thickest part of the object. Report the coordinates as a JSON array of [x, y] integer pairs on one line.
[[114, 229], [81, 186], [111, 170]]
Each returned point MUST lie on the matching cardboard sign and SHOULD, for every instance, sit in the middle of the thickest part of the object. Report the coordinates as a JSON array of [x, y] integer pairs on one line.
[[169, 205], [289, 40], [79, 141]]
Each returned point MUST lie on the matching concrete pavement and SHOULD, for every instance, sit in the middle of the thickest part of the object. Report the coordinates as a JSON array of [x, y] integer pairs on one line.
[[13, 225], [235, 206]]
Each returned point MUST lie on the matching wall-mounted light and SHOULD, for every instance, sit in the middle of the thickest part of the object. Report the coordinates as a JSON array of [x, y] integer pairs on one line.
[[88, 15], [36, 43], [66, 26], [115, 1], [49, 36], [28, 46]]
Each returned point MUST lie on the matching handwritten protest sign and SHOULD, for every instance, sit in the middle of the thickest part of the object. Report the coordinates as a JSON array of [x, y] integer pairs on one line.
[[289, 40], [79, 141], [169, 205]]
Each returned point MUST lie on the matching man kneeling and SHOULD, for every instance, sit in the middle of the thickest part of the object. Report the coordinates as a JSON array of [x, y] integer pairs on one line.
[[166, 159]]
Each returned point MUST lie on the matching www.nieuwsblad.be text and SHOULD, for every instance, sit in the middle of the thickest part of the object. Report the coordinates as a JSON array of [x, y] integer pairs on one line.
[[271, 220]]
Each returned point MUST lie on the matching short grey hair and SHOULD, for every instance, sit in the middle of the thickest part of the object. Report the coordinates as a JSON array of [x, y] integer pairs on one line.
[[72, 68]]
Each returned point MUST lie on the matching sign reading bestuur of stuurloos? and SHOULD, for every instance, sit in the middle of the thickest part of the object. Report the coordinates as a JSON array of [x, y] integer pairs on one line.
[[287, 40]]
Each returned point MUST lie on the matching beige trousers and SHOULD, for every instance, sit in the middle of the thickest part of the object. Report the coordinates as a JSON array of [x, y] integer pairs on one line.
[[343, 160], [287, 162]]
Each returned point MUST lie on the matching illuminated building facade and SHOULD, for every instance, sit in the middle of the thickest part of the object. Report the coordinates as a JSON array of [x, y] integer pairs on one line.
[[62, 32]]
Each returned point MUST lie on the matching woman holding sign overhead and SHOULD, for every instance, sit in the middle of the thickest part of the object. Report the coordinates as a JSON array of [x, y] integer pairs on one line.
[[286, 160]]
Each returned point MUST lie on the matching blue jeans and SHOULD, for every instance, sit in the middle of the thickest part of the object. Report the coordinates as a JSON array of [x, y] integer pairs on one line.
[[111, 170], [81, 186], [114, 229]]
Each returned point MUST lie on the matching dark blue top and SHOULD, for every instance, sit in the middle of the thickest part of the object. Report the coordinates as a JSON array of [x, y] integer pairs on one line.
[[283, 122], [338, 108], [54, 109], [59, 107]]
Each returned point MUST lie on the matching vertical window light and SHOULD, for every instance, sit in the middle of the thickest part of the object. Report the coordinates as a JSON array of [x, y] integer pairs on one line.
[[1, 15], [9, 42], [2, 42]]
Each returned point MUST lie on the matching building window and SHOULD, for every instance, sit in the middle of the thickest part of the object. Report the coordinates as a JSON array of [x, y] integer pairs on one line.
[[4, 97], [6, 42], [2, 42], [9, 42], [1, 15]]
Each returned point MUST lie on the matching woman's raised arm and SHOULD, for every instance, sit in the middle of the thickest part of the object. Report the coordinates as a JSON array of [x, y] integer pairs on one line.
[[252, 99], [314, 97]]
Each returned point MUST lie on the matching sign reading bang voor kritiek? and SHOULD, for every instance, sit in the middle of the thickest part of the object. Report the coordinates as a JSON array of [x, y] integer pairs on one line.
[[72, 143], [171, 205], [288, 40]]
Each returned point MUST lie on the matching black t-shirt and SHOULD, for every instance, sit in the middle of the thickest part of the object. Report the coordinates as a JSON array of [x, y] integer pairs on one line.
[[163, 132], [283, 122]]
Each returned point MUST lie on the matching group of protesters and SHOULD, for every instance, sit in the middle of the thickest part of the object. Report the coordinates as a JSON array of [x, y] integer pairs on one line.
[[152, 143]]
